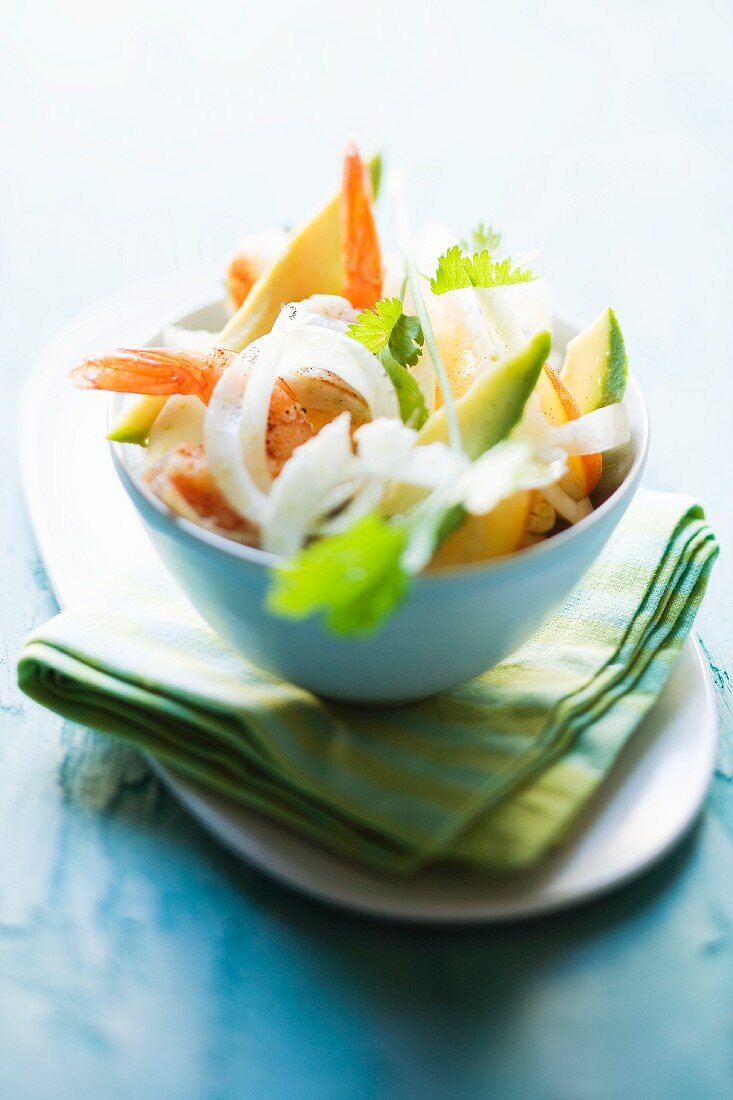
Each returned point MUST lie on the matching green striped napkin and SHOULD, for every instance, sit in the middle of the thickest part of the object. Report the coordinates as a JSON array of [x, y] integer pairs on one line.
[[491, 774]]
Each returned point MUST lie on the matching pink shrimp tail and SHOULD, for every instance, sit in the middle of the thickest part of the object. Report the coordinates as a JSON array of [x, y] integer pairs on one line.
[[154, 371]]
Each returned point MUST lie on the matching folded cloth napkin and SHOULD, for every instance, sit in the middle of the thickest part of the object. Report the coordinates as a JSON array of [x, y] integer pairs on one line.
[[491, 774]]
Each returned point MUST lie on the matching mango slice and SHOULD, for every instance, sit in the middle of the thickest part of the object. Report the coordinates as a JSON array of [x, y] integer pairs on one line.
[[310, 264]]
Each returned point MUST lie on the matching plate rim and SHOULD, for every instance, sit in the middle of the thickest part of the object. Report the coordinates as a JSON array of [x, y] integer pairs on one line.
[[193, 290]]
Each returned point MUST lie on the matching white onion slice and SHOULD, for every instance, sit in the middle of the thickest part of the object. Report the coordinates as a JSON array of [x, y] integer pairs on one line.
[[600, 430], [222, 440], [506, 469], [321, 310], [384, 445], [594, 432], [265, 359], [571, 510], [325, 391], [304, 491], [530, 302], [387, 449], [457, 317], [321, 349], [364, 498]]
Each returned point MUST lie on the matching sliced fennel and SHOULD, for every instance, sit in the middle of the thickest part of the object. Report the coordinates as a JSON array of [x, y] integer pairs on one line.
[[594, 432], [602, 430], [413, 280], [314, 481], [571, 510]]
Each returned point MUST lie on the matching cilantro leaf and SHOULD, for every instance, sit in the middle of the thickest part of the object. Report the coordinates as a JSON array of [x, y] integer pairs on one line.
[[456, 271], [483, 236], [373, 327], [355, 578], [406, 340], [386, 326], [485, 272], [396, 340], [451, 273]]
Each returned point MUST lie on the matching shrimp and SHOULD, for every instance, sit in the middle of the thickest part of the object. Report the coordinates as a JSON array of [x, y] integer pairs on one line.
[[288, 425], [161, 371], [182, 479], [190, 372], [167, 372], [359, 240]]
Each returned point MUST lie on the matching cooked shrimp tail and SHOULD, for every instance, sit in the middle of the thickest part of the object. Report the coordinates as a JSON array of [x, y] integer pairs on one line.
[[160, 371], [360, 241]]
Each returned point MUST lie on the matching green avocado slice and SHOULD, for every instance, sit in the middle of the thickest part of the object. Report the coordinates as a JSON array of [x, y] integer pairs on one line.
[[493, 403], [487, 412], [596, 366], [134, 424]]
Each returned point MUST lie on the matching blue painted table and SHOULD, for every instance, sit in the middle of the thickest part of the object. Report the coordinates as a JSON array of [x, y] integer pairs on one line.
[[137, 959]]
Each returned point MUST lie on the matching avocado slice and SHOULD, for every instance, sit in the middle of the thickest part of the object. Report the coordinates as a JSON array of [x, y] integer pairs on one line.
[[311, 264], [134, 423], [493, 403], [487, 412], [596, 366]]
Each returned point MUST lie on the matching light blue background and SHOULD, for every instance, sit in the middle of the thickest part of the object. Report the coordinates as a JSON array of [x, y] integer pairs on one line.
[[137, 959]]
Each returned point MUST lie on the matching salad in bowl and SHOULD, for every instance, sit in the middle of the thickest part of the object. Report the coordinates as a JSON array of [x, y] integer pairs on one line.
[[371, 439]]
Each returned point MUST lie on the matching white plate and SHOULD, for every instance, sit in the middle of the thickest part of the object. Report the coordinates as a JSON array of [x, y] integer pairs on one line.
[[86, 529]]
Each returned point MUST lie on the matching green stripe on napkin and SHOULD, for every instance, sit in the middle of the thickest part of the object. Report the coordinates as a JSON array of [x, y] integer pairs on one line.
[[491, 774]]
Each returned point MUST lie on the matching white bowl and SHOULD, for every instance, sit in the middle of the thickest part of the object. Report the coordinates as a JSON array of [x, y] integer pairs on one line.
[[454, 624]]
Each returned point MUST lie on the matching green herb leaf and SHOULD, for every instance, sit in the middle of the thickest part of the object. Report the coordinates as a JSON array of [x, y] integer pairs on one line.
[[355, 578], [456, 271], [406, 340], [483, 236], [451, 273], [373, 327], [431, 522], [413, 410], [386, 326], [396, 340], [485, 272]]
